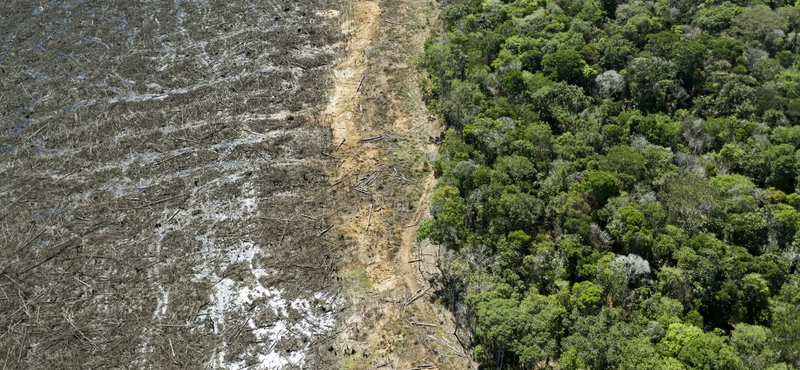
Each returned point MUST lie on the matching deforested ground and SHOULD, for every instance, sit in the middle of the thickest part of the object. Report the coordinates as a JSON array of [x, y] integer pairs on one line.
[[163, 188]]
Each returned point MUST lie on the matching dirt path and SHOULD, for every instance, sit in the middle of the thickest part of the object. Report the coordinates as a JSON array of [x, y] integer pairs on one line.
[[384, 138]]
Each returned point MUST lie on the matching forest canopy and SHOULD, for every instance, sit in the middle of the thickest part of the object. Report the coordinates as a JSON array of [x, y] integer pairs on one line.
[[618, 181]]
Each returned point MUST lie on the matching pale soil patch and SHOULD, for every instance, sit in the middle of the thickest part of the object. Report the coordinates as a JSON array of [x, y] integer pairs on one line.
[[384, 138]]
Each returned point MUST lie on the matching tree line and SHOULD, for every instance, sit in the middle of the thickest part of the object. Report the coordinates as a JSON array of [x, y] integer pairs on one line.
[[617, 182]]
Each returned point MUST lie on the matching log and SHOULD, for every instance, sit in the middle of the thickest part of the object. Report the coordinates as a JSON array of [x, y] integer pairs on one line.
[[419, 323], [328, 155], [374, 138], [362, 191], [359, 86], [415, 297], [321, 233]]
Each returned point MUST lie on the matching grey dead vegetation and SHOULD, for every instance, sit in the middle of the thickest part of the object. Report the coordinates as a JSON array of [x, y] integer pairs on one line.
[[633, 267], [155, 162], [610, 83]]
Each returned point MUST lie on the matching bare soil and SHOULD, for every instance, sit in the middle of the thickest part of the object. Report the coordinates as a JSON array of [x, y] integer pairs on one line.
[[385, 140]]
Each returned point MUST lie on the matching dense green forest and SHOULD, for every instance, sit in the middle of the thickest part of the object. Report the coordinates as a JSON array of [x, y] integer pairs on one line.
[[617, 185]]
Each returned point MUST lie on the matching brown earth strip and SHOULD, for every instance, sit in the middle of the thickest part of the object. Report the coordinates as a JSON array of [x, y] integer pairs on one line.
[[385, 140]]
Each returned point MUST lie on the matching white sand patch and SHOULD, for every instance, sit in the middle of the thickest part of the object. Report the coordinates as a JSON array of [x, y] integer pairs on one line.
[[248, 297]]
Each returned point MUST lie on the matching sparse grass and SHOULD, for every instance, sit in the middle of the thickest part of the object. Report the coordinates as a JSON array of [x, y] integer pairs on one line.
[[356, 280], [348, 363]]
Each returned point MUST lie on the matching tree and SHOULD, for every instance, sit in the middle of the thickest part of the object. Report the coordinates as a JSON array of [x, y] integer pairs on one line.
[[726, 48], [757, 23], [662, 44], [773, 268], [755, 303], [635, 268], [629, 166], [638, 27], [615, 52], [783, 222], [462, 104], [518, 168], [676, 283], [519, 332], [516, 210], [558, 104], [629, 227], [599, 186], [709, 351], [737, 191], [446, 225], [658, 128], [565, 65], [640, 354], [678, 335], [716, 19], [536, 142], [731, 94], [597, 341], [587, 296], [785, 316], [689, 57], [688, 201], [781, 163], [609, 83], [751, 342], [489, 135], [748, 230], [463, 172], [647, 78]]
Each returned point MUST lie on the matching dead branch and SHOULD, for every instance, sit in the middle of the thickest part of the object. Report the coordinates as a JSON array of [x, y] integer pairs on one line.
[[362, 191], [374, 138], [359, 86], [158, 201], [321, 233], [416, 296], [419, 323], [31, 240], [396, 23], [173, 157], [369, 179], [448, 345], [423, 367], [369, 218]]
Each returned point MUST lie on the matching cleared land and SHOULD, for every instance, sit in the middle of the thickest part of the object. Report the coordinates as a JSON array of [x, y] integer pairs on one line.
[[163, 189]]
